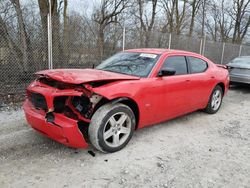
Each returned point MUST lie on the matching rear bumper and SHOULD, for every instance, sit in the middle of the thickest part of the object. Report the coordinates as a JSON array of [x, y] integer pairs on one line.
[[63, 130], [240, 78]]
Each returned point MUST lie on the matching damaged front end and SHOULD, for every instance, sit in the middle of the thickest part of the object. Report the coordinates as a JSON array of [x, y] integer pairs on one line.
[[61, 111]]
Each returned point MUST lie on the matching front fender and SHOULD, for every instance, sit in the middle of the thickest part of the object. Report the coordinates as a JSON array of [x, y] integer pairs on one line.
[[114, 91]]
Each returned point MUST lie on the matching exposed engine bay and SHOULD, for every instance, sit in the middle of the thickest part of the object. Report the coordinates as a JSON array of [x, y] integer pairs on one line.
[[79, 106]]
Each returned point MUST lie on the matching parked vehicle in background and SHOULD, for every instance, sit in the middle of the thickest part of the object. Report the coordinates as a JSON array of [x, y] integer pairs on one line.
[[130, 90], [239, 70]]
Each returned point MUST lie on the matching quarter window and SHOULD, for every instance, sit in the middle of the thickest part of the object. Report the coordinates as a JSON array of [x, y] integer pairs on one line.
[[197, 65], [178, 63]]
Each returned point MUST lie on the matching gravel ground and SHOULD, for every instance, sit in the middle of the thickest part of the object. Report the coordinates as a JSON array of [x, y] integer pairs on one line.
[[196, 150]]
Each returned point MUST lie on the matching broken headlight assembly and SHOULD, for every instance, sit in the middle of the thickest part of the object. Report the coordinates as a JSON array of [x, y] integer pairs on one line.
[[85, 105]]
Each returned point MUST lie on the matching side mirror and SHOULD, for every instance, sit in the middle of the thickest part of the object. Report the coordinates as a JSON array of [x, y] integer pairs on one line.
[[166, 72]]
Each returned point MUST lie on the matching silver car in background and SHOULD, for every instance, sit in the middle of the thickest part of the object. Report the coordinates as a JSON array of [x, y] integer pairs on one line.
[[239, 70]]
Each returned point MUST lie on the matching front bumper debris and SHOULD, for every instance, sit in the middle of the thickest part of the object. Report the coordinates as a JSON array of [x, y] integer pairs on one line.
[[50, 111], [62, 129]]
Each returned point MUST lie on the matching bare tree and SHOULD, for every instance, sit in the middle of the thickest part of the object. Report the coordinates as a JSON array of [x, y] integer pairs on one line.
[[106, 14], [175, 14], [26, 52], [204, 5], [211, 23], [43, 9], [146, 21], [225, 22], [6, 38], [241, 16], [217, 21], [195, 5]]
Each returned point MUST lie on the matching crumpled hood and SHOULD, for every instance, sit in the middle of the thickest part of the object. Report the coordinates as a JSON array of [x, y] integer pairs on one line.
[[80, 76]]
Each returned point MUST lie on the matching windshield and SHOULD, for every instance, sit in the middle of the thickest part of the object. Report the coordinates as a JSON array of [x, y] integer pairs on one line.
[[241, 60], [131, 63]]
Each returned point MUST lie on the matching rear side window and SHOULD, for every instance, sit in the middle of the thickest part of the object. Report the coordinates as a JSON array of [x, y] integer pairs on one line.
[[178, 63], [197, 65]]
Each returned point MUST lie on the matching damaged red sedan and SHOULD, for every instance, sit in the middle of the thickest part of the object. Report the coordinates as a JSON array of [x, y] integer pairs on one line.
[[130, 90]]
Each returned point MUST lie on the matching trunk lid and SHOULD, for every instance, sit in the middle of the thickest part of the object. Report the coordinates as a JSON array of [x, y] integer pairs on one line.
[[80, 76], [222, 66]]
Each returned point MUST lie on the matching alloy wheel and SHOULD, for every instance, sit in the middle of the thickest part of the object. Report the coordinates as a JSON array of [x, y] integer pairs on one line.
[[117, 129]]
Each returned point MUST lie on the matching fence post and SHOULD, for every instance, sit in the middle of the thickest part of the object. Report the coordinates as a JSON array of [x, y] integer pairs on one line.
[[222, 53], [169, 41], [50, 62], [201, 45], [204, 44], [123, 38], [240, 50]]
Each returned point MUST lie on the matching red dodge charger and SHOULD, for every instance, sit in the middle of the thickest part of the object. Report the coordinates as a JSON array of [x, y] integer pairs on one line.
[[130, 90]]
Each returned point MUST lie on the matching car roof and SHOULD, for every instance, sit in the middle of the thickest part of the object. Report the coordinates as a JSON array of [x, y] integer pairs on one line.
[[160, 51], [243, 57]]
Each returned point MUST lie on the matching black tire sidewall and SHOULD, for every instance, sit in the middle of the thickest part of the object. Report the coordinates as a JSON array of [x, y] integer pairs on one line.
[[209, 108], [113, 111]]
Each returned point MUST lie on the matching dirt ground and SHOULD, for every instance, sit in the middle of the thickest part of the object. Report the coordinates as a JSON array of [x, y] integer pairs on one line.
[[196, 150]]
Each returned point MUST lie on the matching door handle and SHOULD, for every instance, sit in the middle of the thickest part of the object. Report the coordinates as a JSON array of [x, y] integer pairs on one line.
[[212, 77], [187, 80]]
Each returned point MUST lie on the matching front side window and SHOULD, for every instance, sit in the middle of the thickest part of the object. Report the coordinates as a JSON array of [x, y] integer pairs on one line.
[[178, 63], [131, 63], [197, 65]]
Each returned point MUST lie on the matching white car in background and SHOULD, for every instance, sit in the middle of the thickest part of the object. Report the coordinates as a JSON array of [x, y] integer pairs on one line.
[[239, 70]]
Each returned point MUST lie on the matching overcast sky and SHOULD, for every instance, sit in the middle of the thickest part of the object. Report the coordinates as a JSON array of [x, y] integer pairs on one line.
[[79, 6]]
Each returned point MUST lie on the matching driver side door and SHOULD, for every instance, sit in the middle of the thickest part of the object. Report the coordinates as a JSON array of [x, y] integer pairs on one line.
[[174, 92]]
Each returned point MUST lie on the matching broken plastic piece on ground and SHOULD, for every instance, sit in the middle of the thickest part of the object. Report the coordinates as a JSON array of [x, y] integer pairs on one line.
[[91, 153]]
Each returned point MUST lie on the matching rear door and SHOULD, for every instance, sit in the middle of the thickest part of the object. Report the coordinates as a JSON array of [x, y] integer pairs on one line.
[[200, 82]]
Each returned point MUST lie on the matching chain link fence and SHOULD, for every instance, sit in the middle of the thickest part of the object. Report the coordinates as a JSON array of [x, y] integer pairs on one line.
[[76, 46]]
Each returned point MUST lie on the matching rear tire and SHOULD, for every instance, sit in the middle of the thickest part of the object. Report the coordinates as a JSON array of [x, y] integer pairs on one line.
[[111, 127], [215, 100]]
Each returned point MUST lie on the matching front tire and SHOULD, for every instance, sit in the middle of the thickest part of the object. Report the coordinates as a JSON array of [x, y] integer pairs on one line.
[[111, 127], [215, 100]]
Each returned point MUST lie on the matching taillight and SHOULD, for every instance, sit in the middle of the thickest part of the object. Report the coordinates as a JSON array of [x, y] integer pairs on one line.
[[229, 69]]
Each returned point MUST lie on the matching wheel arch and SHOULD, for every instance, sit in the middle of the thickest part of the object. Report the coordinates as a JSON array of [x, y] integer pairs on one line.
[[124, 100], [222, 85]]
